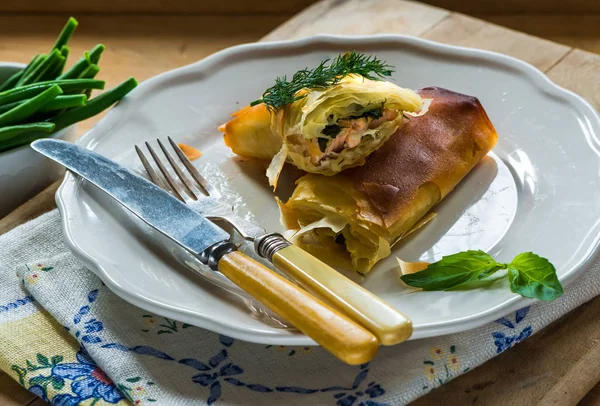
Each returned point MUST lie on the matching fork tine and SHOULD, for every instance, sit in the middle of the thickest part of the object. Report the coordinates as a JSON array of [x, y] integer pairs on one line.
[[149, 169], [202, 183], [163, 170], [175, 167]]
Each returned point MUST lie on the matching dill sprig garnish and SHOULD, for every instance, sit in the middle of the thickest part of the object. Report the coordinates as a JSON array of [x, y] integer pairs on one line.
[[285, 92]]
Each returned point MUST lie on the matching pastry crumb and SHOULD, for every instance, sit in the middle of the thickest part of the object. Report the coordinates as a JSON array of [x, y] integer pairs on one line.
[[191, 152]]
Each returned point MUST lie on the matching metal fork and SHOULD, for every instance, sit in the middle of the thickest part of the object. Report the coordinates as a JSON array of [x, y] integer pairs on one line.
[[210, 203], [389, 325]]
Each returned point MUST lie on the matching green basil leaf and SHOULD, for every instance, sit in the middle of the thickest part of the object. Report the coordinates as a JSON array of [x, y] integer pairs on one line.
[[533, 276], [487, 283], [454, 270]]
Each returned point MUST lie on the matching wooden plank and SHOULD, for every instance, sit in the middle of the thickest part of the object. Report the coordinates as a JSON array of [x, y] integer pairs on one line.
[[13, 394], [559, 7], [580, 72], [288, 7], [578, 31], [140, 45], [37, 402], [592, 398], [578, 380], [466, 31], [358, 17], [550, 363], [35, 207]]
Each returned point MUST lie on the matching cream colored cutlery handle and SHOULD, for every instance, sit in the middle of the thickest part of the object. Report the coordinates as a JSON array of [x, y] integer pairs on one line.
[[389, 326], [335, 332]]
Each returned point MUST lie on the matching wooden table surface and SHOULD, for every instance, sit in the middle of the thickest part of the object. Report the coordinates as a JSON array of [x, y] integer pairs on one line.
[[558, 365]]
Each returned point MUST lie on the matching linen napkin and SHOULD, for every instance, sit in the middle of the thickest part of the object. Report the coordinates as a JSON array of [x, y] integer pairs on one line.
[[67, 338]]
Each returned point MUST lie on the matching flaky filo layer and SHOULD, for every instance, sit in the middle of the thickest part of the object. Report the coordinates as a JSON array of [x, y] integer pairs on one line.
[[325, 132]]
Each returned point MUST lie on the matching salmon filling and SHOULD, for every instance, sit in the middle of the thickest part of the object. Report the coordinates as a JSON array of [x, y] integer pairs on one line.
[[348, 133]]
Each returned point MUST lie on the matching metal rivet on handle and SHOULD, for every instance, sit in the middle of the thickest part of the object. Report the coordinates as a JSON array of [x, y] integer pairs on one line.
[[267, 245]]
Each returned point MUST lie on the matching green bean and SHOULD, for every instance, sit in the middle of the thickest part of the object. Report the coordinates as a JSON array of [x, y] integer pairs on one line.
[[60, 103], [90, 72], [96, 52], [33, 65], [65, 102], [13, 131], [94, 106], [48, 65], [24, 139], [10, 106], [34, 89], [55, 70], [66, 33], [82, 64], [33, 75], [44, 97], [59, 69], [24, 110], [11, 81]]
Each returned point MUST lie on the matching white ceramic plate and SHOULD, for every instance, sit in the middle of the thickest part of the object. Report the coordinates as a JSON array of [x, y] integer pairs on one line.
[[539, 191]]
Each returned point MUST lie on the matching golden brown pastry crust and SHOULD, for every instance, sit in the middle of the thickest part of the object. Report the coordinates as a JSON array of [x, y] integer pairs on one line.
[[441, 147], [249, 134]]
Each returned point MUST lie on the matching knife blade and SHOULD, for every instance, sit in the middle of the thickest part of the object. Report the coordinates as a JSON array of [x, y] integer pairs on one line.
[[144, 199], [338, 334]]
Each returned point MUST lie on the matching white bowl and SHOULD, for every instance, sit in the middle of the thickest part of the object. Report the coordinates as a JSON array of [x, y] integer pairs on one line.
[[23, 172]]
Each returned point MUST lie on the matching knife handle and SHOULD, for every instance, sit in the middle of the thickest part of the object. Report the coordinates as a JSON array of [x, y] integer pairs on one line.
[[336, 333], [389, 325]]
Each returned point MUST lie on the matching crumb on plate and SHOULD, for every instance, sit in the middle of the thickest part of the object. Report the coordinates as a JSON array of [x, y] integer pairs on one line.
[[191, 152]]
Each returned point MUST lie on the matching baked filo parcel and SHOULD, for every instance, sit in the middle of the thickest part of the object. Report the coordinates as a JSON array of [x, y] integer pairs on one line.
[[326, 129], [356, 216]]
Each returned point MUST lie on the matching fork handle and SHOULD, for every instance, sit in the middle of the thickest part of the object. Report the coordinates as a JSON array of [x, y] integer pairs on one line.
[[335, 332], [389, 325]]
